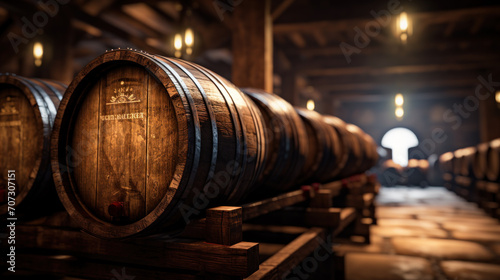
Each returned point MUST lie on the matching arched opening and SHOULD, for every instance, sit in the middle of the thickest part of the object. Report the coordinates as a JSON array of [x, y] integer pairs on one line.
[[399, 140]]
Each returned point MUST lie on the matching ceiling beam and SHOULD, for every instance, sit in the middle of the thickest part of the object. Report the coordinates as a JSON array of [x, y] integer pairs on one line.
[[278, 11], [418, 18], [398, 69]]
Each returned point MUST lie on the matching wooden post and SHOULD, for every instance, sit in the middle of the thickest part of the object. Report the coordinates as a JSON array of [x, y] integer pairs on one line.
[[252, 45], [322, 199], [224, 225], [489, 117]]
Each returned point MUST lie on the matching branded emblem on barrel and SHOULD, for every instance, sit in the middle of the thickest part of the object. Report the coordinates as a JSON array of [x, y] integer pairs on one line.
[[123, 95]]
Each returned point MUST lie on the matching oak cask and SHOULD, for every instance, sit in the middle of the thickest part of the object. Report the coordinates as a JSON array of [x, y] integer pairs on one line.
[[287, 143], [143, 143], [27, 111]]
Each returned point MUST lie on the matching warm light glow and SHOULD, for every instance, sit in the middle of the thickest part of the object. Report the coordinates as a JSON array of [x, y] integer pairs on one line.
[[399, 99], [38, 50], [497, 96], [403, 21], [404, 37], [188, 37], [399, 112], [310, 105], [38, 53], [178, 42], [189, 51], [178, 54]]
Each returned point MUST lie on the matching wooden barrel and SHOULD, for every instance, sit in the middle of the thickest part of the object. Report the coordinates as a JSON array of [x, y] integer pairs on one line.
[[390, 173], [287, 143], [479, 163], [416, 172], [324, 159], [143, 143], [368, 148], [446, 162], [466, 161], [27, 111], [351, 147], [457, 161], [493, 161]]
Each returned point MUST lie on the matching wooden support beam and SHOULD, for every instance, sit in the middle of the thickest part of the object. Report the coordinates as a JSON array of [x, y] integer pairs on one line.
[[297, 39], [413, 86], [423, 18], [223, 225], [281, 263], [398, 69], [252, 45], [154, 253], [477, 25], [320, 38], [489, 116], [281, 8], [449, 29]]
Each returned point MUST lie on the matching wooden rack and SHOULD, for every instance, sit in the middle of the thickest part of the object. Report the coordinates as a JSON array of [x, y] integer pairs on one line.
[[211, 247]]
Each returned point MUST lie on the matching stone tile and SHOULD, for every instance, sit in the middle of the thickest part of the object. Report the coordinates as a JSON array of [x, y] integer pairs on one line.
[[470, 271], [407, 223], [360, 266], [441, 248], [392, 231], [471, 227], [496, 249], [392, 215], [477, 236], [458, 218], [343, 249]]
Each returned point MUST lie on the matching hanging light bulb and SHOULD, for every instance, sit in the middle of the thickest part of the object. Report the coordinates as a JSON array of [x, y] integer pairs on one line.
[[189, 38], [399, 100], [310, 105], [399, 112], [403, 22], [178, 45], [38, 53]]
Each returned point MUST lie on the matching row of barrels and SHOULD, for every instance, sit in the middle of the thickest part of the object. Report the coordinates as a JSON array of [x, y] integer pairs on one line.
[[474, 174], [143, 143], [416, 173], [481, 162]]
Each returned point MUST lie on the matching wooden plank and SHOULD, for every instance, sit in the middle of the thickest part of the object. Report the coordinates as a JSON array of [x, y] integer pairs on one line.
[[121, 175], [312, 217], [335, 187], [162, 144], [224, 225], [68, 265], [155, 253], [12, 108], [252, 45], [281, 9], [84, 146], [347, 216], [255, 209], [290, 256], [322, 199]]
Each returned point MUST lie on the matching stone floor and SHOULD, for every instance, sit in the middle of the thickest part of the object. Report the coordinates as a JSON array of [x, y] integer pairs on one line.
[[426, 234]]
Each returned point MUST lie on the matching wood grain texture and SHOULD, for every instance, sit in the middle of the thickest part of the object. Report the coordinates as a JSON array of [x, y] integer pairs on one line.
[[27, 111], [326, 154], [287, 142], [186, 140], [153, 253]]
